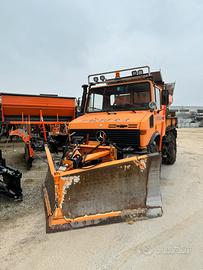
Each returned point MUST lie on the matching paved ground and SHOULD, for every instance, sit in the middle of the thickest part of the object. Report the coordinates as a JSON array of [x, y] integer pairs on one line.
[[174, 241]]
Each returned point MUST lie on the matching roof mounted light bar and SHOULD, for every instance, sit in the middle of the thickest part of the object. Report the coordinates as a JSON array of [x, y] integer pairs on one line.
[[116, 74]]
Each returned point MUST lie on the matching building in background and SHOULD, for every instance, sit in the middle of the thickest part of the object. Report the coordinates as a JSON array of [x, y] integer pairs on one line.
[[188, 116]]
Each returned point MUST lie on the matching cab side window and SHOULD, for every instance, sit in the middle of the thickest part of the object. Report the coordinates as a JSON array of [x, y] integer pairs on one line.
[[157, 98]]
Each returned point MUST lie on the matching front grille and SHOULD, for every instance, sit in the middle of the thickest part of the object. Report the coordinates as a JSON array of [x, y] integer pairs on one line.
[[122, 138]]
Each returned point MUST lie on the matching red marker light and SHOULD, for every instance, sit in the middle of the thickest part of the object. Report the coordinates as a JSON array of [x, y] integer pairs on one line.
[[117, 74]]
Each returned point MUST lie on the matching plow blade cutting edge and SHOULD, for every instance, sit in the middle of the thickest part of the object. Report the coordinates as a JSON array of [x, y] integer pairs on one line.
[[110, 192]]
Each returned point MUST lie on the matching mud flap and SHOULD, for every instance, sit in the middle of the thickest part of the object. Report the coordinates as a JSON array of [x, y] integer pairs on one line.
[[105, 193]]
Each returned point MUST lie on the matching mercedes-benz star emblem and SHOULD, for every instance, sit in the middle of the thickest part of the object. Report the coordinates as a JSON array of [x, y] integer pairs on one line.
[[100, 136]]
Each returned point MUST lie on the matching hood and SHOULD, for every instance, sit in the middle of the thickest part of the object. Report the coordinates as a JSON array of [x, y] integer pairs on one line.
[[102, 120]]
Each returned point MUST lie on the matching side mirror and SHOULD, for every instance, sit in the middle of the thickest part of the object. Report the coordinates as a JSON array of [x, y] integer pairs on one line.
[[165, 97], [152, 105]]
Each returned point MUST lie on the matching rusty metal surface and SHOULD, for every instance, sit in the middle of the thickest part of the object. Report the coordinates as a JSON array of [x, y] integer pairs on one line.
[[50, 186], [112, 188]]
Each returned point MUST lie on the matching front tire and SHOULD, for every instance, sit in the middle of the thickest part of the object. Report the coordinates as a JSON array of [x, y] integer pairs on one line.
[[153, 147], [169, 148]]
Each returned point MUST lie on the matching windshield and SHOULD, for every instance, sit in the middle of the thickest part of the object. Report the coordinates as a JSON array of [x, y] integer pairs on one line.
[[123, 97]]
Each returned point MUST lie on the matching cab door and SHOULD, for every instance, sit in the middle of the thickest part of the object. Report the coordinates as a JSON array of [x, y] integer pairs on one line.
[[159, 112]]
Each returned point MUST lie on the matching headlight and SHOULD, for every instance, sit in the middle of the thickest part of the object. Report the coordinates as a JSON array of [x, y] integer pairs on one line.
[[134, 73], [102, 78], [140, 72], [96, 79]]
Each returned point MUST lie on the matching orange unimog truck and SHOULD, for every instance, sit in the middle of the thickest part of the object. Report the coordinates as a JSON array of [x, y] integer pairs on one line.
[[110, 170]]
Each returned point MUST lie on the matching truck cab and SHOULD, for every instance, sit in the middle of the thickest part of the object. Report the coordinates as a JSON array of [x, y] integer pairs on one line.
[[125, 108]]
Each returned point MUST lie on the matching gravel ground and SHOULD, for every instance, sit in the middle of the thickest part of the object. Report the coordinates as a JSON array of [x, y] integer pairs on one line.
[[174, 241]]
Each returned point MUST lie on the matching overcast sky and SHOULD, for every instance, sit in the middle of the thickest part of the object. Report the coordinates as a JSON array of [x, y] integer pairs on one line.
[[49, 46]]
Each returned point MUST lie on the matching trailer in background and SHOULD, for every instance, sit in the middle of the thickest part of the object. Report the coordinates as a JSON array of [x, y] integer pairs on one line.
[[36, 119]]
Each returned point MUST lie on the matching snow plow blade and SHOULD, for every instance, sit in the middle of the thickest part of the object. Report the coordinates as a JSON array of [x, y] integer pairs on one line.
[[109, 192]]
